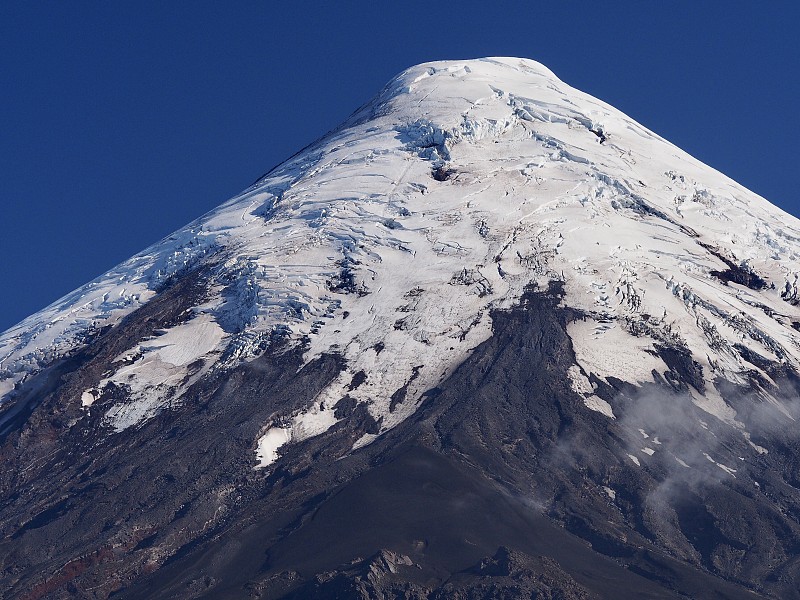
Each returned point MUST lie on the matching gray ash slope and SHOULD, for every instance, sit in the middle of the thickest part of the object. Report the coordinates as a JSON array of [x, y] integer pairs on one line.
[[488, 339]]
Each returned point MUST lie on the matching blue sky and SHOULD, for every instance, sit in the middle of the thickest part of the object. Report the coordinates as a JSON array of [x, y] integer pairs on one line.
[[122, 121]]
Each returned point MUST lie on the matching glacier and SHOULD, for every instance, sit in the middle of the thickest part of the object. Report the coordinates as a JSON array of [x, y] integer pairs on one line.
[[392, 239]]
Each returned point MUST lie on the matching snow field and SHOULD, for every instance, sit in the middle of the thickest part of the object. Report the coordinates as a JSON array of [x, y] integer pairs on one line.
[[391, 240]]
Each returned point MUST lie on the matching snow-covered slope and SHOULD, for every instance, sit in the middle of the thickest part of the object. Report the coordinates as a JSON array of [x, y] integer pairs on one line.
[[390, 240]]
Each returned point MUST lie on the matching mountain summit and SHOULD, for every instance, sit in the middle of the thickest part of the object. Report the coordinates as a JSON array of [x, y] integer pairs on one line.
[[489, 338]]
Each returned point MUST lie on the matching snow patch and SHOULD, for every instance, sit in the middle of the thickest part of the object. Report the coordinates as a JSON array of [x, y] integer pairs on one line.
[[268, 445], [606, 349], [6, 386], [712, 402], [156, 372], [581, 385], [596, 403], [725, 468], [89, 396], [364, 440]]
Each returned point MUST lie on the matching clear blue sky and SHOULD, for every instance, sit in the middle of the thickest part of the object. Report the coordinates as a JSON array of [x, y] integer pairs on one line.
[[122, 121]]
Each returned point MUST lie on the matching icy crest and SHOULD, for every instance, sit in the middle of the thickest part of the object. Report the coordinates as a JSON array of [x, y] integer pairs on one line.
[[390, 240]]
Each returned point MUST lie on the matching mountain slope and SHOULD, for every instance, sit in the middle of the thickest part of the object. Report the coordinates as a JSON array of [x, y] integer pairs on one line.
[[486, 318]]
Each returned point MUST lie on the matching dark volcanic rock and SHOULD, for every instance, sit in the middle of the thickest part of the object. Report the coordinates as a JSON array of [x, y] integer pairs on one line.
[[735, 273], [510, 574], [503, 455], [506, 575]]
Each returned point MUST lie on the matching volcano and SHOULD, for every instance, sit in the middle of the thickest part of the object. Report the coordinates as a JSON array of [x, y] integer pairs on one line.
[[489, 338]]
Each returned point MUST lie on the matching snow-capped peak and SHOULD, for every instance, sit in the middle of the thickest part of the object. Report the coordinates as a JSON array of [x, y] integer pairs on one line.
[[391, 240]]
